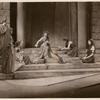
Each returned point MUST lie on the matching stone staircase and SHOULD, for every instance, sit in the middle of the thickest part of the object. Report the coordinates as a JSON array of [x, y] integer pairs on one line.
[[54, 70], [73, 66]]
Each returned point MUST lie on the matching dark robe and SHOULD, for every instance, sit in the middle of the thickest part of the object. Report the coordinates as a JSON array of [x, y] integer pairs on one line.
[[73, 52], [91, 59]]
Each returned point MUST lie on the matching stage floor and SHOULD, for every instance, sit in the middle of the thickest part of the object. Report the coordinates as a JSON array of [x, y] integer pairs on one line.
[[66, 87]]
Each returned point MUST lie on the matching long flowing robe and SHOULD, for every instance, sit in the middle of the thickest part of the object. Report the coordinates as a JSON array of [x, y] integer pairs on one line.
[[6, 49], [46, 51]]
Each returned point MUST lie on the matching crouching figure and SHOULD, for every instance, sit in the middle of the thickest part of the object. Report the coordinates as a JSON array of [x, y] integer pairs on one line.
[[70, 48]]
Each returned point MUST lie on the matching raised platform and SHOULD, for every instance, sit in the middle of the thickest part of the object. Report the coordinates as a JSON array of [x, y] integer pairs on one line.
[[50, 79], [56, 66], [73, 66], [54, 70]]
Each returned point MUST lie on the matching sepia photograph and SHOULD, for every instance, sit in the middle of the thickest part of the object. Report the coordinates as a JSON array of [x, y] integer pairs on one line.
[[49, 49]]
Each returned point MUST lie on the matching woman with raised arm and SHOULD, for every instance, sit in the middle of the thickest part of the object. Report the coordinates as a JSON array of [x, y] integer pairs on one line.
[[46, 51]]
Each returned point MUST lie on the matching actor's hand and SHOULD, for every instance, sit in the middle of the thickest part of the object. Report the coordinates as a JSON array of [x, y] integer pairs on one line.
[[36, 45]]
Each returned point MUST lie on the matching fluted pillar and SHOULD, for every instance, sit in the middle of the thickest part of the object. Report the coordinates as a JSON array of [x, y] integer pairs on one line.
[[82, 25], [20, 22]]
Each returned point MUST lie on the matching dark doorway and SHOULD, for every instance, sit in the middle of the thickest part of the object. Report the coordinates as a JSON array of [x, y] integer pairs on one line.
[[39, 17], [59, 19], [13, 21]]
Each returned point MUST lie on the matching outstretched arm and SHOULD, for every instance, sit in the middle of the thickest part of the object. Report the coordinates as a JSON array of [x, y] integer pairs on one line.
[[93, 51], [69, 44], [67, 48], [37, 43], [90, 55]]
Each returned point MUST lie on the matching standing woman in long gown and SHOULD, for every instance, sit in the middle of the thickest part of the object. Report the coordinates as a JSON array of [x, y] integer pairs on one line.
[[6, 47]]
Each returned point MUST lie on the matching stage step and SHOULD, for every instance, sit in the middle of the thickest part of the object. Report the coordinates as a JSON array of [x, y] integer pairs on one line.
[[6, 76], [53, 73], [57, 66]]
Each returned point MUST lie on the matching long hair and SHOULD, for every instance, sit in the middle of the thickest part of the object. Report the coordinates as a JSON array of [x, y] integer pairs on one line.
[[66, 41], [92, 43], [17, 44]]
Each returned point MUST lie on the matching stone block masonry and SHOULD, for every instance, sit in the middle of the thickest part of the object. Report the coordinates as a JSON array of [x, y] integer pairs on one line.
[[95, 23], [5, 11]]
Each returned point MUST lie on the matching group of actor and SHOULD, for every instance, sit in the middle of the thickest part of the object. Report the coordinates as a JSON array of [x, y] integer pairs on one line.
[[70, 49], [9, 53]]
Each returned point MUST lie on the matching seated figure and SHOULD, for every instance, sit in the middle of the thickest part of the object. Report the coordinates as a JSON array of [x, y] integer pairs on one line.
[[46, 51], [70, 48], [90, 52], [18, 45], [20, 58]]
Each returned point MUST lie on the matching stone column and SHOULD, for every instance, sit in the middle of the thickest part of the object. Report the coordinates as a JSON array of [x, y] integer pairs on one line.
[[73, 23], [96, 24], [82, 25], [5, 11], [20, 22]]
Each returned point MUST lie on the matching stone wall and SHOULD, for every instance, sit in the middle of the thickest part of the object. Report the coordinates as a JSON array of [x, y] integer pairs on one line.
[[65, 22], [38, 18], [82, 25], [96, 24], [95, 27], [5, 11], [59, 19], [62, 23]]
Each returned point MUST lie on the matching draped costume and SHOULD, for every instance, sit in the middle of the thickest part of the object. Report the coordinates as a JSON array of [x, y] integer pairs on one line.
[[70, 49], [91, 59], [6, 49], [46, 51], [73, 52]]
